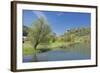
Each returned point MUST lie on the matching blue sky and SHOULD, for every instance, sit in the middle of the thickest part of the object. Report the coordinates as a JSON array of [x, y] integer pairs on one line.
[[59, 21]]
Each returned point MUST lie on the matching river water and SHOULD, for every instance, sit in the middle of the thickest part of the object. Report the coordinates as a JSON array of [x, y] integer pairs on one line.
[[57, 55]]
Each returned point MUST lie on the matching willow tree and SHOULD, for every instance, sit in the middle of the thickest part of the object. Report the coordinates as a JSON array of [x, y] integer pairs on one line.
[[38, 32]]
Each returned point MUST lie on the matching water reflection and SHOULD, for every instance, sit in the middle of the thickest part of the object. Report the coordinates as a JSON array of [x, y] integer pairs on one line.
[[57, 55]]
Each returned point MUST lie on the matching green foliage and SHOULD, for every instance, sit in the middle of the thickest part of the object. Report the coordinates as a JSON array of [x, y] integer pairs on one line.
[[74, 35], [25, 30], [39, 32], [52, 37]]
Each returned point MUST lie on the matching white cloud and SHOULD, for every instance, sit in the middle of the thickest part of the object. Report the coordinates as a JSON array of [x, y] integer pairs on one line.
[[59, 14], [39, 14]]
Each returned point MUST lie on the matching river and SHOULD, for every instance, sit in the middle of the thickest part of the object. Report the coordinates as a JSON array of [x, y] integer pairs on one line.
[[57, 55]]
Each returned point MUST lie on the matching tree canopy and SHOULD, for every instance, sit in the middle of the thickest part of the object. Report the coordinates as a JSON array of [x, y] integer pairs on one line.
[[39, 32]]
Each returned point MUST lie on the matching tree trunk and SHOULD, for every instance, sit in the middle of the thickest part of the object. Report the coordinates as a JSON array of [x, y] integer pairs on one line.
[[35, 54]]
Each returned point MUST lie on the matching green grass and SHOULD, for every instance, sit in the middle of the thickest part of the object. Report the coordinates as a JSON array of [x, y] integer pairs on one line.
[[68, 47], [27, 49]]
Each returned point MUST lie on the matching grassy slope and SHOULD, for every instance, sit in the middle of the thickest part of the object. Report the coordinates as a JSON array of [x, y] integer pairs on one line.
[[75, 47]]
